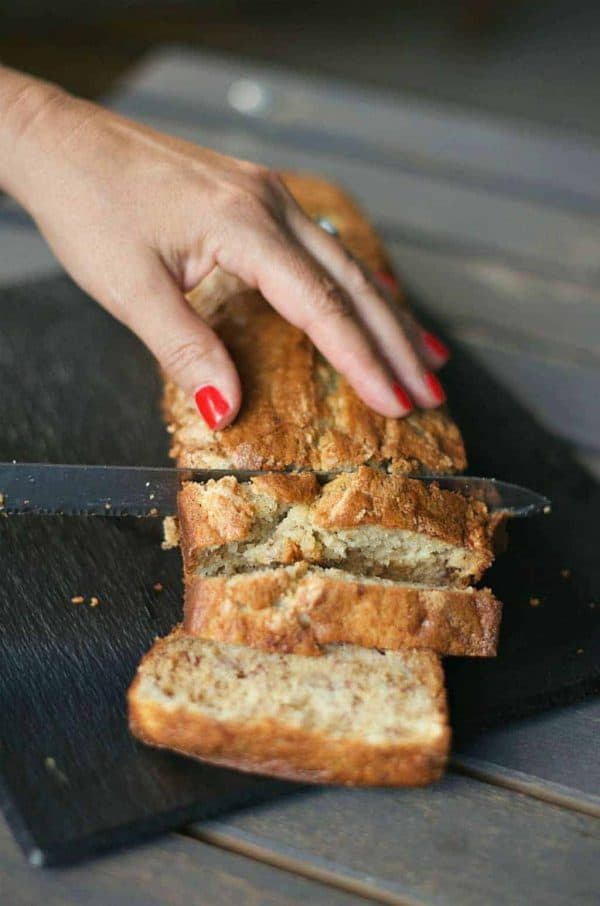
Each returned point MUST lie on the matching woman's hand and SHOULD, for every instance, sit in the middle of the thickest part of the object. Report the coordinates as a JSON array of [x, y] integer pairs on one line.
[[139, 218]]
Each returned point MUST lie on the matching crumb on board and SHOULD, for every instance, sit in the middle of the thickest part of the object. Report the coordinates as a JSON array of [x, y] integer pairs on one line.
[[51, 767], [580, 651], [153, 511], [170, 533], [535, 602], [547, 509], [77, 599], [158, 586], [94, 601], [565, 573]]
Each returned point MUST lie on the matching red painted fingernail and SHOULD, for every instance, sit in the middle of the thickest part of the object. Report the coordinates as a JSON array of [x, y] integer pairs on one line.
[[212, 405], [435, 387], [388, 281], [403, 398], [435, 345]]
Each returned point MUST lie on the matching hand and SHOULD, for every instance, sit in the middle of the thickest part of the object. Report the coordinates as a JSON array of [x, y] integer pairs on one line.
[[139, 218]]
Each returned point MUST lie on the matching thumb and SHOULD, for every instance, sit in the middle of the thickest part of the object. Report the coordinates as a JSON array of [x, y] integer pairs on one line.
[[188, 350]]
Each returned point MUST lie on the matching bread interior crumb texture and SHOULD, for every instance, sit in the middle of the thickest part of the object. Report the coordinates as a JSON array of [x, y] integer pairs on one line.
[[353, 693]]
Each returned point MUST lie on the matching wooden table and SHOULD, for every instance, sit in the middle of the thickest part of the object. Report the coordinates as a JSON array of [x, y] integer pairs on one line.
[[496, 229]]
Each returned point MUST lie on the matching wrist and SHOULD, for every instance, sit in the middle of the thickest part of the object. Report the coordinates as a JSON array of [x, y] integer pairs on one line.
[[25, 126]]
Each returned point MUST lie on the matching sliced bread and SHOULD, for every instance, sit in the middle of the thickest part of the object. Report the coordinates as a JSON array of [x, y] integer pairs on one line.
[[299, 609], [371, 522], [353, 716]]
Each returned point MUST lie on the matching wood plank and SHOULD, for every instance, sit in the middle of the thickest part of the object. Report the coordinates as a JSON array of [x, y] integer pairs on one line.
[[377, 125], [173, 870], [411, 205], [475, 290], [458, 842], [563, 395], [552, 756]]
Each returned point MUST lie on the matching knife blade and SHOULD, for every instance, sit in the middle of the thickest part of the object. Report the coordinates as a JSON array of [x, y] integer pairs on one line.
[[78, 490]]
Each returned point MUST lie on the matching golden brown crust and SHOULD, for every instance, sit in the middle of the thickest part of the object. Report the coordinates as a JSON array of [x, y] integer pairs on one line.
[[224, 512], [371, 497], [297, 611], [291, 753], [296, 410]]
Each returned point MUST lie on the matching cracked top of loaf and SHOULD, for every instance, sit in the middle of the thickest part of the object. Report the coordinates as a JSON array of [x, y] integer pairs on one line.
[[374, 523], [297, 411]]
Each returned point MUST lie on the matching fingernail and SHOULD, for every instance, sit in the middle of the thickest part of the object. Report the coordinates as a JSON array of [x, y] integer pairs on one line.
[[212, 405], [435, 387], [435, 345], [403, 398], [388, 281]]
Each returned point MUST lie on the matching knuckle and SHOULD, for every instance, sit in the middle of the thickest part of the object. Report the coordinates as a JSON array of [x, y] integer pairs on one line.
[[329, 302], [264, 185], [184, 355]]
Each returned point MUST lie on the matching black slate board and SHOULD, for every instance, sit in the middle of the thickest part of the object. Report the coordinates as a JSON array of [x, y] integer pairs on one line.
[[76, 387]]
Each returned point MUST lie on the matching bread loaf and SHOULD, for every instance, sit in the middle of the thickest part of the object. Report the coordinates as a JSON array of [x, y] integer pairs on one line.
[[308, 649], [367, 521], [352, 716], [299, 609], [297, 411]]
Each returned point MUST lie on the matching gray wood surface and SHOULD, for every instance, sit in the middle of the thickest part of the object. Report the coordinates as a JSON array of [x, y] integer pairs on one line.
[[553, 756], [459, 842], [412, 204], [556, 316], [171, 871], [469, 147]]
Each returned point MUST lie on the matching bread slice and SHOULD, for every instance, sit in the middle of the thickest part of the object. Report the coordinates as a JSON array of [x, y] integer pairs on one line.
[[299, 609], [353, 716], [297, 411], [370, 522]]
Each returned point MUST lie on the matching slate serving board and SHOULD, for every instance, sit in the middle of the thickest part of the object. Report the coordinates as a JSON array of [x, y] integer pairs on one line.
[[77, 387]]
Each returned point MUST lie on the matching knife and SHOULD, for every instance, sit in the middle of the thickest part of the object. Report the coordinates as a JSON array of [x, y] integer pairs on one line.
[[75, 490]]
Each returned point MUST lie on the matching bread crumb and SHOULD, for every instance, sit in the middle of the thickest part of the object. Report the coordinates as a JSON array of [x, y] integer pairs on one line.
[[170, 533], [153, 511], [51, 767], [565, 573], [580, 651], [535, 602], [547, 510], [158, 586], [77, 599], [94, 601]]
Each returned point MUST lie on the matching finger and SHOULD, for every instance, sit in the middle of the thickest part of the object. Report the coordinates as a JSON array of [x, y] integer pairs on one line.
[[432, 350], [389, 334], [300, 290], [187, 349]]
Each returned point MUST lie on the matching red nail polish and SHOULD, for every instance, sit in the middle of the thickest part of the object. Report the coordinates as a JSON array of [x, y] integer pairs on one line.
[[403, 398], [435, 345], [435, 387], [388, 281], [212, 405]]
